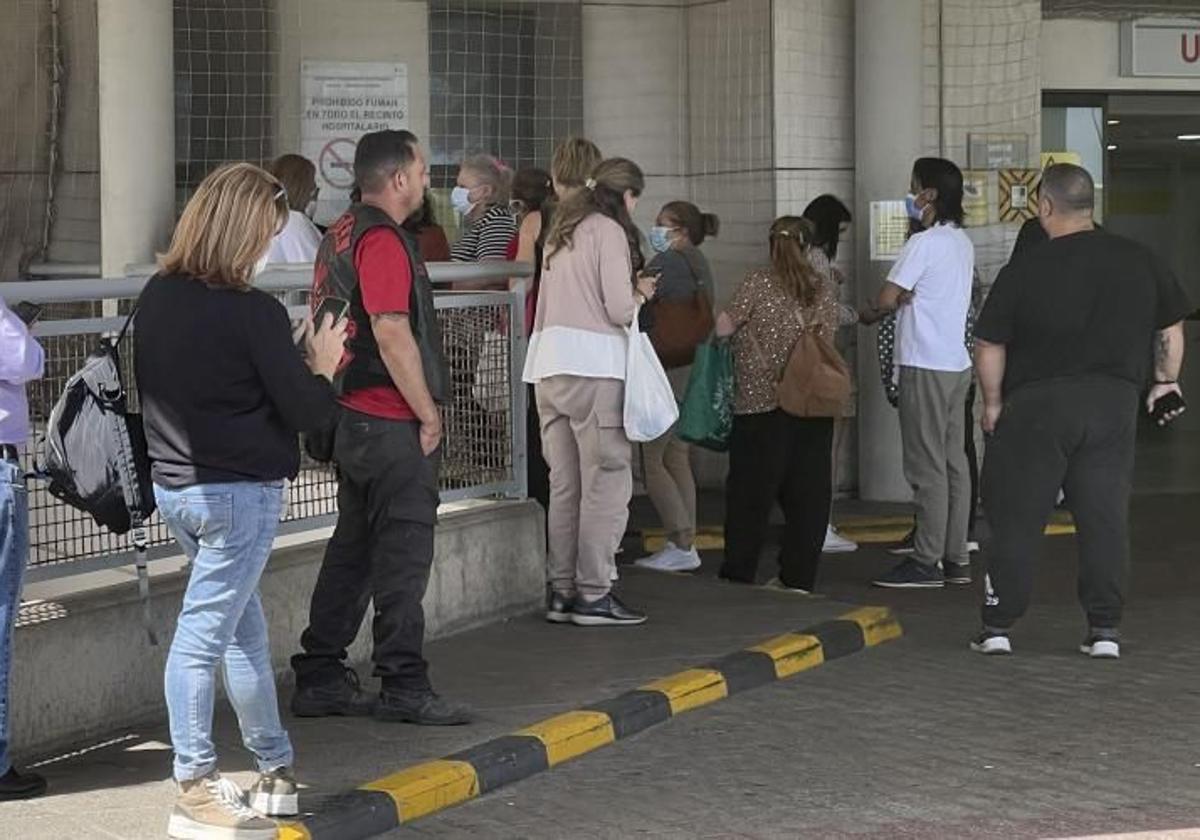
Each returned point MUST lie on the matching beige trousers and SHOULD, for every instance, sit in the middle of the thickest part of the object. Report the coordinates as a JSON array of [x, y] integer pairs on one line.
[[584, 443], [667, 468]]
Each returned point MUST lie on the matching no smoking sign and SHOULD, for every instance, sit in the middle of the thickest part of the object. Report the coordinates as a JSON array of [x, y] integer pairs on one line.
[[336, 163]]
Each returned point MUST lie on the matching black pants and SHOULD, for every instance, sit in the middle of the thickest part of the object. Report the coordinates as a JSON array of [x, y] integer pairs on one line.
[[1078, 435], [536, 470], [381, 550], [773, 458], [972, 461]]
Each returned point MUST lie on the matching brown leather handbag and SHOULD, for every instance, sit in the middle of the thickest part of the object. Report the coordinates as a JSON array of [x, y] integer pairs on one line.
[[681, 325], [816, 380]]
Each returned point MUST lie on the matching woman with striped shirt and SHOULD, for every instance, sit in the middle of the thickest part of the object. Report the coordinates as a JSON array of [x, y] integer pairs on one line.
[[480, 197]]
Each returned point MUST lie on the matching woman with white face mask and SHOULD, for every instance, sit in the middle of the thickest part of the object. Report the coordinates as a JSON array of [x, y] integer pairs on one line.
[[224, 393], [300, 238], [480, 198], [686, 281]]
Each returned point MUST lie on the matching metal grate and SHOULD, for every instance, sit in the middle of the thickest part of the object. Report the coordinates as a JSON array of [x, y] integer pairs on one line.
[[477, 450], [481, 446]]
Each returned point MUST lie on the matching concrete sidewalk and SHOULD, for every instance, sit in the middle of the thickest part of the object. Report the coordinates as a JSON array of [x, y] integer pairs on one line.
[[514, 674]]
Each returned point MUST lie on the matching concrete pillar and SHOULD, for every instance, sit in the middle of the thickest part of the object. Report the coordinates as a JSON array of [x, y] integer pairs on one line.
[[888, 112], [137, 131]]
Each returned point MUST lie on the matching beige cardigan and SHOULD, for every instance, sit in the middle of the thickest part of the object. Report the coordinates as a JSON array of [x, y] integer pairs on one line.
[[584, 306]]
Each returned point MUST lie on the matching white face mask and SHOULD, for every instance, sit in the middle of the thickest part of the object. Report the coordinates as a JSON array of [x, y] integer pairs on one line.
[[261, 265], [460, 200]]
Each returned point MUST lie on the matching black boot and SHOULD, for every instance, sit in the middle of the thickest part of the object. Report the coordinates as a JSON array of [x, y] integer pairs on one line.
[[424, 708], [343, 697], [14, 785]]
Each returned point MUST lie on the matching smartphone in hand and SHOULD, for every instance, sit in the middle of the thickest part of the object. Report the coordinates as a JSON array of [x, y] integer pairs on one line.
[[335, 306], [1167, 404]]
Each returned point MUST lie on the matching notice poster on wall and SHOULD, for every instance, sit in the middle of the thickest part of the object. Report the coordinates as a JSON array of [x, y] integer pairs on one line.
[[340, 102], [1018, 194], [976, 198]]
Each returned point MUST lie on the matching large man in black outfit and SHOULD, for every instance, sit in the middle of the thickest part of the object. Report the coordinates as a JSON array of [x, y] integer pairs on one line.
[[1063, 351], [386, 447]]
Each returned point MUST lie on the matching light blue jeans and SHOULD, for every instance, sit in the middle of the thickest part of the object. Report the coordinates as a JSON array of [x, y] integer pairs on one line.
[[14, 550], [226, 530]]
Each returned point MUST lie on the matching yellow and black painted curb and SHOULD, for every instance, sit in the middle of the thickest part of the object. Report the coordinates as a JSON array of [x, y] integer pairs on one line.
[[423, 789]]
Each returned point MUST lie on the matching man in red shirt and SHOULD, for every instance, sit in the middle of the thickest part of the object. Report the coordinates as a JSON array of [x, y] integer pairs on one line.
[[387, 450]]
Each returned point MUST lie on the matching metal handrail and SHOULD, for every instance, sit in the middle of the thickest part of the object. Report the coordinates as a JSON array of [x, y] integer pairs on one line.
[[277, 277]]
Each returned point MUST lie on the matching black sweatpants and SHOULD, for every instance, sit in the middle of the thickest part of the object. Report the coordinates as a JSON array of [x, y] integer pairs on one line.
[[1077, 434], [381, 550], [775, 457]]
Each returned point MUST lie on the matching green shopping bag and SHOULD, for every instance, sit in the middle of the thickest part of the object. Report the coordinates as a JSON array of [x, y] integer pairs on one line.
[[706, 416]]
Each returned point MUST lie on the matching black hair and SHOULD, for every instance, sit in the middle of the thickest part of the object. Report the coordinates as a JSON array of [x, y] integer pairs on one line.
[[828, 214], [532, 187], [945, 177], [697, 225], [1070, 187], [380, 154]]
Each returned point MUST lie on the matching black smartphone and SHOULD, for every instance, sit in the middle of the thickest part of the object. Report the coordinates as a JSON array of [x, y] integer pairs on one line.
[[28, 312], [335, 306], [1165, 405]]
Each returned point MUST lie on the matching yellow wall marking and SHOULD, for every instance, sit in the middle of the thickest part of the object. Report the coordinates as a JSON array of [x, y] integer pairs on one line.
[[572, 734], [877, 623], [428, 787], [690, 689], [792, 653]]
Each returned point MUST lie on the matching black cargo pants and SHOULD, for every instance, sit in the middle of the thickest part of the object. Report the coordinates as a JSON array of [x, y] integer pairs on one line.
[[381, 550]]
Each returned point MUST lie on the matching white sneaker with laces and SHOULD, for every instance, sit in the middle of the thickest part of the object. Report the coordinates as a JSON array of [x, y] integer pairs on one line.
[[671, 559], [835, 543], [1101, 648]]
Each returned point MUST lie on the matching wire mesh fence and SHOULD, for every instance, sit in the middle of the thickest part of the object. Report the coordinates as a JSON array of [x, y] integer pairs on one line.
[[483, 441]]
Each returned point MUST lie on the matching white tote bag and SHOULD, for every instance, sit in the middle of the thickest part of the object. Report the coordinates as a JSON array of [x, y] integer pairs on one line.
[[650, 407]]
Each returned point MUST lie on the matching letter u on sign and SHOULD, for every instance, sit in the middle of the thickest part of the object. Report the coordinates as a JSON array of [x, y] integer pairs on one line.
[[1189, 47]]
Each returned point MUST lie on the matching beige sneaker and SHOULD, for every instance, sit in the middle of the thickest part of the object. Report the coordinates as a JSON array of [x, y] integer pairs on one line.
[[212, 808], [275, 794]]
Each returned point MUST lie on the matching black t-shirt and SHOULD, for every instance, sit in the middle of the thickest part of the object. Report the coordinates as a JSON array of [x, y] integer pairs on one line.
[[1088, 304], [222, 387]]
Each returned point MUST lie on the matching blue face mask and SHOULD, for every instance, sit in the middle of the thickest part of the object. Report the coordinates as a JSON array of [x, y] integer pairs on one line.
[[660, 238], [914, 212]]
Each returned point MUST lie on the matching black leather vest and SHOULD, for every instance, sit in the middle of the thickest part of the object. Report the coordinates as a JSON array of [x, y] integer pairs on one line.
[[335, 275]]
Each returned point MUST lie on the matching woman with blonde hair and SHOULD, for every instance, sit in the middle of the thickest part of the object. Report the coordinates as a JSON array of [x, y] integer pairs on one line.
[[300, 238], [590, 292], [774, 456], [224, 394], [573, 163]]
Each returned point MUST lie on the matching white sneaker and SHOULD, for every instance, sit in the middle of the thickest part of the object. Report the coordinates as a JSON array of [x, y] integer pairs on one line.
[[671, 559], [1100, 648], [972, 546], [835, 543]]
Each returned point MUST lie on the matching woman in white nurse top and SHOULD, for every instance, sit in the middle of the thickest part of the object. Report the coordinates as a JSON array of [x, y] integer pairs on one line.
[[299, 239], [929, 288]]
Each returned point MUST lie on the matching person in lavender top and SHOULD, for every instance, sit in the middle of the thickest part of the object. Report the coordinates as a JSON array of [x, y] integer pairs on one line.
[[21, 361]]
